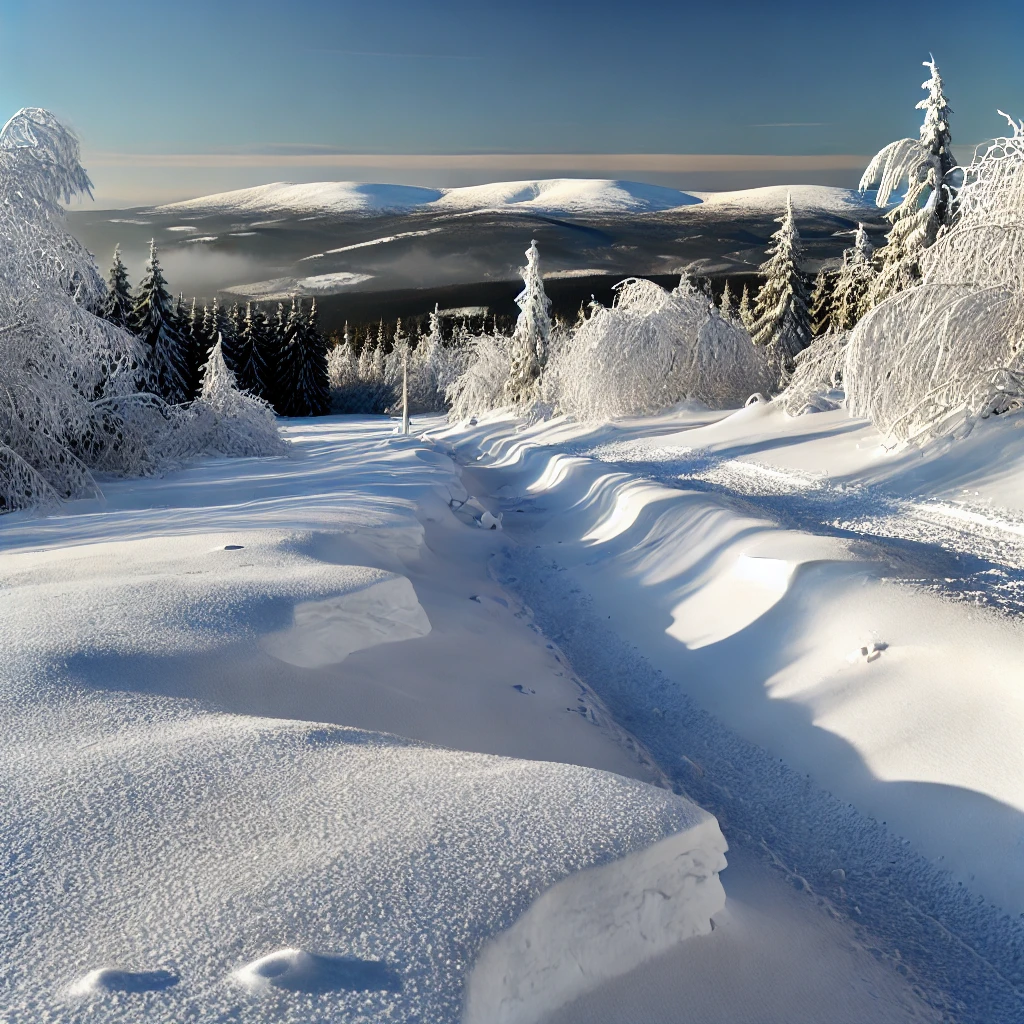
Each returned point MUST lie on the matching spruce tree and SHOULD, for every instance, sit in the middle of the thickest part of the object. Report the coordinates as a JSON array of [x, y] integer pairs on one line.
[[851, 296], [224, 329], [821, 302], [746, 309], [251, 352], [926, 165], [154, 322], [782, 321], [305, 385], [727, 304], [532, 335], [196, 347], [117, 308]]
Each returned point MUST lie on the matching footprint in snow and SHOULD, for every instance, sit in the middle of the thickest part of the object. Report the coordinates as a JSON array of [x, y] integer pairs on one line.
[[295, 970], [113, 979], [523, 689]]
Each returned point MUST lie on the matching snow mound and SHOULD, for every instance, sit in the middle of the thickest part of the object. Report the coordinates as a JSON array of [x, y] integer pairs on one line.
[[295, 970], [598, 923], [112, 979], [383, 610], [314, 197]]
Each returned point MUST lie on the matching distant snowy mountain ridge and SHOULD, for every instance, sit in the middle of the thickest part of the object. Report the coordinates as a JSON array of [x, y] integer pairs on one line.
[[565, 196]]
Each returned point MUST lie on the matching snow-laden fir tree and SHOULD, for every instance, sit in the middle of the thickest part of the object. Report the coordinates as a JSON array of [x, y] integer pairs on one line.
[[850, 295], [925, 166], [302, 370], [234, 423], [746, 310], [727, 304], [117, 307], [196, 346], [254, 372], [224, 332], [782, 321], [154, 322], [821, 301], [531, 337]]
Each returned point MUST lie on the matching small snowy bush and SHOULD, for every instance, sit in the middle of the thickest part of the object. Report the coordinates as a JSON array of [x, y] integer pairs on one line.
[[481, 386], [650, 350]]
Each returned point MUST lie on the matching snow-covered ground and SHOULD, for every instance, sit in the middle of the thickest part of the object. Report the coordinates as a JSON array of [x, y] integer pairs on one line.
[[818, 640], [555, 196], [296, 739]]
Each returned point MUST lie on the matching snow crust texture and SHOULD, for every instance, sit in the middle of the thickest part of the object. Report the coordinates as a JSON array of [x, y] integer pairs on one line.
[[166, 860]]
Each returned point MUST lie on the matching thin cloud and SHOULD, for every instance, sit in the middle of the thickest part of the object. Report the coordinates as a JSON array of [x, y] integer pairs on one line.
[[791, 124], [531, 162], [393, 55]]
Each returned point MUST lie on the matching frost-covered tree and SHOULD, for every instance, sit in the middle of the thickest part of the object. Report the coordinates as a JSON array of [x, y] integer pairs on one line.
[[820, 309], [746, 310], [727, 304], [68, 378], [153, 320], [223, 330], [850, 294], [481, 386], [302, 370], [530, 339], [233, 422], [650, 350], [117, 307], [933, 360], [782, 321], [926, 168]]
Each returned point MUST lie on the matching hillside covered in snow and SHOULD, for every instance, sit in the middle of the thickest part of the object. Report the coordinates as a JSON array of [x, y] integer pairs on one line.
[[371, 250]]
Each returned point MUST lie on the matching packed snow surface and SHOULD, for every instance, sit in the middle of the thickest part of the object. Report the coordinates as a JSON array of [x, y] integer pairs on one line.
[[187, 832], [294, 739]]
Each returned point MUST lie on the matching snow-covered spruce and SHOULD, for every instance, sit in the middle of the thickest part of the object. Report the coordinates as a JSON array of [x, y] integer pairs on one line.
[[781, 318], [232, 422], [851, 293], [926, 168], [303, 388], [252, 351], [117, 307], [154, 322], [531, 338]]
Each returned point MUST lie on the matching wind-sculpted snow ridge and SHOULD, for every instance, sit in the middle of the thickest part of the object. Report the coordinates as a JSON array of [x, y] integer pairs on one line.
[[733, 603]]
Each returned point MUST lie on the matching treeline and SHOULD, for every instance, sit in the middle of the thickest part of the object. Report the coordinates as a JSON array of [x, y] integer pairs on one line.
[[278, 355]]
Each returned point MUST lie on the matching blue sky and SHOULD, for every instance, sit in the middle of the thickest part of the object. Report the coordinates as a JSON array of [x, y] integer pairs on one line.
[[170, 99]]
